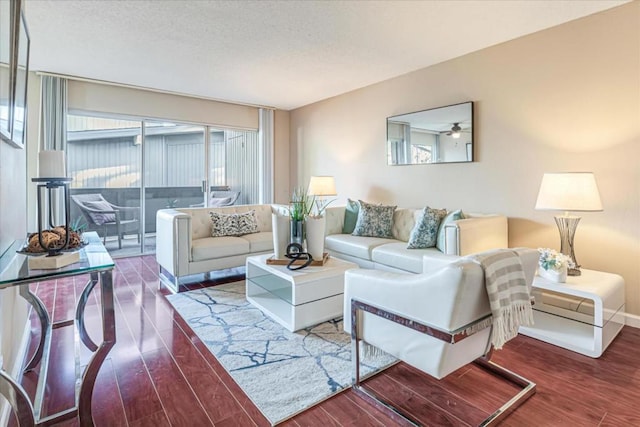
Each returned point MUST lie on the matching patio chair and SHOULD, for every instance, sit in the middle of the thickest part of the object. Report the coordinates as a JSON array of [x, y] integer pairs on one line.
[[220, 198], [108, 218]]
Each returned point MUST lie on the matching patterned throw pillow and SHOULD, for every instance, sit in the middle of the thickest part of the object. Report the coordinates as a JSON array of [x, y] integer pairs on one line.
[[223, 224], [247, 223], [374, 220], [350, 216], [425, 232], [101, 218], [451, 216]]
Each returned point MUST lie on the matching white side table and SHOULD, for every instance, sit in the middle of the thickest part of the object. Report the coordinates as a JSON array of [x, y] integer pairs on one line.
[[583, 315]]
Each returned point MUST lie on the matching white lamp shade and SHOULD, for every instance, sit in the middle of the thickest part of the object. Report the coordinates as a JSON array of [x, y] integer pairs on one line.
[[51, 164], [569, 191], [322, 186]]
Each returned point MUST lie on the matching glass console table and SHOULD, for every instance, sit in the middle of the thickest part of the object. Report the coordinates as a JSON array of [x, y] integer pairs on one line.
[[14, 271]]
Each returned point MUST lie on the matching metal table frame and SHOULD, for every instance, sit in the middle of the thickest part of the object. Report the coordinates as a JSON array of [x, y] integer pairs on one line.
[[95, 261]]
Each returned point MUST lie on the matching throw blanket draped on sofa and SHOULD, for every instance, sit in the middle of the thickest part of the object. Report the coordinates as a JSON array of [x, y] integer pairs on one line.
[[509, 296]]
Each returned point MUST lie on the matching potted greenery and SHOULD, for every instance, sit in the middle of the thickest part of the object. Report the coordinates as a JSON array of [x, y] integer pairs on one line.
[[300, 207]]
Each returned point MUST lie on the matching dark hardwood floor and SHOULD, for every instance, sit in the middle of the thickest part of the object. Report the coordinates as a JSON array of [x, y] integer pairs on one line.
[[159, 373]]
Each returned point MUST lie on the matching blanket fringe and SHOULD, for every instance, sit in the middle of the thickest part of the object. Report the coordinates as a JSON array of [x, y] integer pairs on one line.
[[505, 326]]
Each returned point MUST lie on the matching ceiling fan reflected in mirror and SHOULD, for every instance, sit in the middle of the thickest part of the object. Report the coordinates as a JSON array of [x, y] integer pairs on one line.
[[455, 131]]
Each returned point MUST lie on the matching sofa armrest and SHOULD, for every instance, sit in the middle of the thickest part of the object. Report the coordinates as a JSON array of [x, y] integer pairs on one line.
[[173, 241], [448, 299], [476, 234]]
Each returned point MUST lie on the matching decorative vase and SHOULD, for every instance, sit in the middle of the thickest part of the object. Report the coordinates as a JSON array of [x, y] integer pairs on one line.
[[559, 276], [280, 231], [315, 227], [297, 231]]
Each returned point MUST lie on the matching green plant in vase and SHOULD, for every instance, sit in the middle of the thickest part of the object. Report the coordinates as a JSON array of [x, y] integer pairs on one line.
[[300, 206]]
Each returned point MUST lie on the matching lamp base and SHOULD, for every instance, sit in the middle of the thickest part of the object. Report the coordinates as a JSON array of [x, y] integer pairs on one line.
[[567, 225], [574, 272]]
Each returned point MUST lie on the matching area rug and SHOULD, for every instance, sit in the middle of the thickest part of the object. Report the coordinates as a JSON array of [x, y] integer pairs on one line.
[[283, 373]]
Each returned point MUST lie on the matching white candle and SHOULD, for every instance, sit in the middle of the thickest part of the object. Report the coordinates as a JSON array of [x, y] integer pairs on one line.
[[51, 164]]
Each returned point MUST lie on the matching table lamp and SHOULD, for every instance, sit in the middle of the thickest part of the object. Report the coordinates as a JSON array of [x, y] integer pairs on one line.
[[320, 187], [569, 191]]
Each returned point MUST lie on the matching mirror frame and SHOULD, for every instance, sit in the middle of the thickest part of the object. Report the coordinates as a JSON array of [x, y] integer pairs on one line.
[[442, 123], [20, 79]]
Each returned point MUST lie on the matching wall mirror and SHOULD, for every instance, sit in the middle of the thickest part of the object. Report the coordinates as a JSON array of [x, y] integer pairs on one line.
[[438, 135], [5, 69]]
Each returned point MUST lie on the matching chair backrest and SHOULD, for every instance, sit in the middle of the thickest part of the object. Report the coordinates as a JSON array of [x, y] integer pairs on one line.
[[81, 201], [223, 198]]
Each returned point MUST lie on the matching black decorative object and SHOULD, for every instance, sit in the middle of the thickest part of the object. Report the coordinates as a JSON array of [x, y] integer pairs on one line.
[[51, 184]]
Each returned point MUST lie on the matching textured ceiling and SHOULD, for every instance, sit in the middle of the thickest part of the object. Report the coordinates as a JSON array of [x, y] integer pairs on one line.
[[284, 54]]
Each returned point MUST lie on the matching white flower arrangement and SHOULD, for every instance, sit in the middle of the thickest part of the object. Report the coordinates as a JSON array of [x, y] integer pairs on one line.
[[550, 259]]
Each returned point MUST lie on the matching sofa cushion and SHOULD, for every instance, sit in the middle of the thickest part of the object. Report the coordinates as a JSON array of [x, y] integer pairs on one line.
[[425, 232], [350, 216], [398, 256], [357, 246], [218, 247], [403, 222], [374, 220], [260, 242], [451, 216]]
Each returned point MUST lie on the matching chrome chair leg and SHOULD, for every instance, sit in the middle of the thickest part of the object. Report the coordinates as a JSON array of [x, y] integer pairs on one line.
[[528, 387]]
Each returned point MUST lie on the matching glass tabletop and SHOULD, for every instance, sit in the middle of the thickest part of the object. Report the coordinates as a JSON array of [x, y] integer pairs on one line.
[[14, 267]]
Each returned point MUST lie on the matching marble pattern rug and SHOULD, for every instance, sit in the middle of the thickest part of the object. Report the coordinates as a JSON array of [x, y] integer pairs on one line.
[[282, 372]]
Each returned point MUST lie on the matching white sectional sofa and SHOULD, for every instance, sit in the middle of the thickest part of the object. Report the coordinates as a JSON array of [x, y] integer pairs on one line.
[[184, 245], [475, 233]]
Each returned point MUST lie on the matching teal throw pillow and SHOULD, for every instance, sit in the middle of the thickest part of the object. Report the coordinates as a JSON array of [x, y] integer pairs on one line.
[[425, 232], [451, 216], [350, 216], [374, 220]]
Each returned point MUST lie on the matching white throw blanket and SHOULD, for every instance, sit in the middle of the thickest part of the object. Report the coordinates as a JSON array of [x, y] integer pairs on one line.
[[508, 293]]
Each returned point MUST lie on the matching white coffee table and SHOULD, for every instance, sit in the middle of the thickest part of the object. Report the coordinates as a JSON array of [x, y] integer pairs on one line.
[[297, 299]]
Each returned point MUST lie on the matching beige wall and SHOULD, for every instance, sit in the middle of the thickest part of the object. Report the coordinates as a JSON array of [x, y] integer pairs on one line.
[[564, 99]]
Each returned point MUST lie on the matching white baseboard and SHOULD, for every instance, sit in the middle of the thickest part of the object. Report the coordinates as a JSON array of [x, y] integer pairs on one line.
[[632, 320]]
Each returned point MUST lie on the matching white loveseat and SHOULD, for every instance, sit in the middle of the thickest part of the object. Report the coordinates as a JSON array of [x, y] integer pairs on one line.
[[184, 245], [475, 233]]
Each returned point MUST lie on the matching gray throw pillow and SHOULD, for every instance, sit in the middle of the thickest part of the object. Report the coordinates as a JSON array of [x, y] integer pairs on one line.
[[223, 224], [247, 223], [374, 220], [233, 224], [425, 232], [451, 216], [350, 216], [101, 218]]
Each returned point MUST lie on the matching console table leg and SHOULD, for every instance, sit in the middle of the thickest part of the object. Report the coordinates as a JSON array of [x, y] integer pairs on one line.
[[18, 399], [82, 302], [109, 340], [45, 324]]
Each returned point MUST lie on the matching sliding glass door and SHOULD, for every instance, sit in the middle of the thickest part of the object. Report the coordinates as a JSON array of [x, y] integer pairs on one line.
[[184, 165], [174, 165], [104, 160]]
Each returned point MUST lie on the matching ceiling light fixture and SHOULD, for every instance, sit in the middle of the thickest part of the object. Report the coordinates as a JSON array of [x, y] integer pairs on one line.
[[455, 131]]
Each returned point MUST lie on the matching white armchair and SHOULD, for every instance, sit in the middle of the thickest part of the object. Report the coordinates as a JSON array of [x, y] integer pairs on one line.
[[424, 320]]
